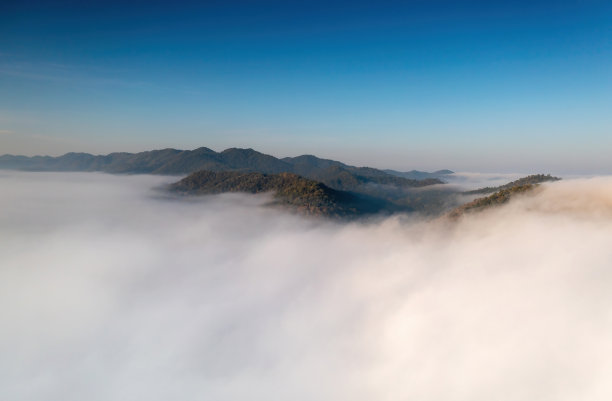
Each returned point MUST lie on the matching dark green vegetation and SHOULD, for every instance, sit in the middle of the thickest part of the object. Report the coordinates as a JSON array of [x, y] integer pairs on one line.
[[498, 198], [314, 198], [529, 180], [290, 190]]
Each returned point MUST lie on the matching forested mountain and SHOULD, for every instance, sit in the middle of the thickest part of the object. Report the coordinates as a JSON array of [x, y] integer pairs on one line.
[[498, 198], [334, 174], [502, 194], [529, 180], [307, 183], [288, 189]]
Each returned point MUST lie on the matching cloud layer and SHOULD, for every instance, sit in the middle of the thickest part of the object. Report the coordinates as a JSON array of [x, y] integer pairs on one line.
[[111, 291]]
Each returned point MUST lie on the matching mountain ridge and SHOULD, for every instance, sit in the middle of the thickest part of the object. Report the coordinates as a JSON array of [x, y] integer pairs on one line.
[[532, 179], [496, 199], [169, 161], [420, 175], [289, 190]]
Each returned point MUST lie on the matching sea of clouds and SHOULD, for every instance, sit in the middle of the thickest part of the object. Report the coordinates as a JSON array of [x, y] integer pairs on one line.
[[111, 290]]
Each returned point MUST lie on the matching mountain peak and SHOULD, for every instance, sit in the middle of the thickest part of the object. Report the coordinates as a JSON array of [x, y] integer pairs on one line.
[[241, 150]]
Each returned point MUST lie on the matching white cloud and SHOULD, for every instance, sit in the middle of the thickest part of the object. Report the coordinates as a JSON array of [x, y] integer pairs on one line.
[[109, 290]]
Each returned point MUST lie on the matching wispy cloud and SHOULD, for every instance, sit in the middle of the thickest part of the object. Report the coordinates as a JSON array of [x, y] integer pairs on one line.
[[65, 73]]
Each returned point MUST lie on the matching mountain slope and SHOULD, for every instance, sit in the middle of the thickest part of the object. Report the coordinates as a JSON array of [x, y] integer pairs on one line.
[[528, 180], [290, 190], [501, 195], [498, 198]]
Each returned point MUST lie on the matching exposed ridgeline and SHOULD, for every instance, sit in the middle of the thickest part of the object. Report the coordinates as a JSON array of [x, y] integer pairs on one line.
[[165, 161], [529, 180], [290, 190], [332, 173], [502, 195], [498, 198]]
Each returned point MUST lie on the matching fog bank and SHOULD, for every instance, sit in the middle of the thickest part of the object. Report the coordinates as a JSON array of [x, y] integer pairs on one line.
[[111, 291]]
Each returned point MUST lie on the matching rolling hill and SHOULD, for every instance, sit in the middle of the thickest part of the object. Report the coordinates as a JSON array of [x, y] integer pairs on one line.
[[289, 190]]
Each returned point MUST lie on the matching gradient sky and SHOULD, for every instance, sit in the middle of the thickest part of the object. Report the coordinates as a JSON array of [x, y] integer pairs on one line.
[[466, 85]]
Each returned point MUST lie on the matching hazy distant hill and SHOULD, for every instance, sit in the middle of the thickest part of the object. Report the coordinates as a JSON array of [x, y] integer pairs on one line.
[[290, 190], [165, 161], [334, 174], [421, 175]]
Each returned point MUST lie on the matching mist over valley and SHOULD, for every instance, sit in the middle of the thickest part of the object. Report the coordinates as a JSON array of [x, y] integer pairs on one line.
[[112, 289]]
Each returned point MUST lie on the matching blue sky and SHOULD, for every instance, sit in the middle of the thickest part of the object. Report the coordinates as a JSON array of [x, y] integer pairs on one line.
[[466, 85]]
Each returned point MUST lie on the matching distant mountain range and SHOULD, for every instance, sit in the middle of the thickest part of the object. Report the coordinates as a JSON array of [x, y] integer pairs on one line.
[[308, 184], [332, 173]]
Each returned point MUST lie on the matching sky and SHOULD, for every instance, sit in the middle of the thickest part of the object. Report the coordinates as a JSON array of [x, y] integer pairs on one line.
[[466, 85]]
